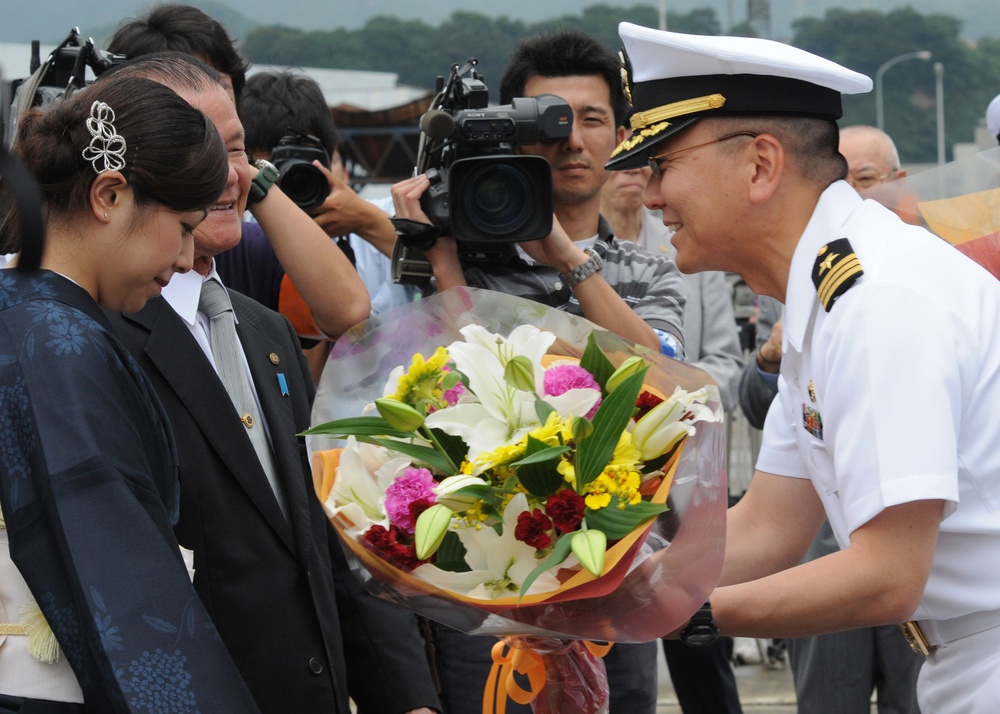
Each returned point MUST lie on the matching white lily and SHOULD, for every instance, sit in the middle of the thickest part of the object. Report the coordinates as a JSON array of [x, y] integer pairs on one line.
[[500, 563], [660, 429], [502, 413], [363, 475]]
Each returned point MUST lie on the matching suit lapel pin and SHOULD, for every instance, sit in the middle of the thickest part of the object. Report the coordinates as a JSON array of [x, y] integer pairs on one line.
[[812, 391], [283, 384]]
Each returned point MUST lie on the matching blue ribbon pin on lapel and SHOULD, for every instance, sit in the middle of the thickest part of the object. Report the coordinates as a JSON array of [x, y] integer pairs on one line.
[[283, 383]]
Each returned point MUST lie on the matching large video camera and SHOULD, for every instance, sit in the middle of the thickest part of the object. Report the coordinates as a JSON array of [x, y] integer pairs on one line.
[[302, 182], [482, 192], [64, 72]]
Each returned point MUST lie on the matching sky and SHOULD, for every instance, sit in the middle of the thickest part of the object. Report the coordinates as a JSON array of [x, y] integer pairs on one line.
[[50, 20]]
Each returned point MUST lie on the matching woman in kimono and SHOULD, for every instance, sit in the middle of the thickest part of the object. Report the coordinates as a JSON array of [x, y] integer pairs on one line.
[[88, 484]]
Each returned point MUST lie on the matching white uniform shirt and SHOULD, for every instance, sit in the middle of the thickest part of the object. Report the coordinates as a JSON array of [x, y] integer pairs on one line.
[[903, 374]]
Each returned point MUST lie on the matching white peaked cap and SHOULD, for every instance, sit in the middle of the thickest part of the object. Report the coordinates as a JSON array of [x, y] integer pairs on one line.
[[993, 118], [673, 79]]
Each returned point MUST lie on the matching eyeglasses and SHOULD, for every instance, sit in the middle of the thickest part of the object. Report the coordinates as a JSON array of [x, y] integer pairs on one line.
[[867, 180], [654, 161]]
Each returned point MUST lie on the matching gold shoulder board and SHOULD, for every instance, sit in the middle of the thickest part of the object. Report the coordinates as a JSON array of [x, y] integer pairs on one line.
[[835, 270]]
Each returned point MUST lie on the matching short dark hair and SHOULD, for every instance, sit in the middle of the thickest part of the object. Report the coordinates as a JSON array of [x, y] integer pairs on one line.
[[564, 54], [174, 156], [275, 103], [812, 143], [186, 29], [176, 70]]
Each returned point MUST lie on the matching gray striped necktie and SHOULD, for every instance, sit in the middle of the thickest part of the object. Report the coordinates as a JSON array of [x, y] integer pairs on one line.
[[228, 354]]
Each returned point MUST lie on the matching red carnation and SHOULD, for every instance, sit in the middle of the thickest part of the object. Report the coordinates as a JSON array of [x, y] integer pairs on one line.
[[645, 402], [394, 545], [566, 510], [533, 528]]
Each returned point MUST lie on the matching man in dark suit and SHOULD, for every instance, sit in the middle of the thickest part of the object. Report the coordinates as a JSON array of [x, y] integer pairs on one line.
[[267, 563]]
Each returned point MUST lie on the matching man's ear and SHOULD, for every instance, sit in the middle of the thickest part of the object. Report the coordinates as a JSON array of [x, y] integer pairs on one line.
[[620, 135], [106, 193], [768, 157]]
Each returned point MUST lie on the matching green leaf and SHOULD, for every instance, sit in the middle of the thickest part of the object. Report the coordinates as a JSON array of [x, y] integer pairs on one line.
[[582, 428], [589, 547], [357, 426], [537, 470], [454, 447], [542, 410], [594, 452], [616, 523], [559, 553], [424, 454], [595, 362], [451, 554]]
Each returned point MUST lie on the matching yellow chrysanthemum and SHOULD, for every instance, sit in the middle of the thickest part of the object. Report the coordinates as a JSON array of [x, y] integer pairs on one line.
[[422, 382]]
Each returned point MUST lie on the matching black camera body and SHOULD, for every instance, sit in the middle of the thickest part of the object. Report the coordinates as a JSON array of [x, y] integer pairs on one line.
[[62, 73], [302, 182], [483, 193]]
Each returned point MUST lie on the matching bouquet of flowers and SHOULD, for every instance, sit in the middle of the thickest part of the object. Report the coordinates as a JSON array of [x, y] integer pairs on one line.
[[509, 474]]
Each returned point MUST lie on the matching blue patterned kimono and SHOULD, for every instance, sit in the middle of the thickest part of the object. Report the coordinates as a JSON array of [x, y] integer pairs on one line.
[[89, 491]]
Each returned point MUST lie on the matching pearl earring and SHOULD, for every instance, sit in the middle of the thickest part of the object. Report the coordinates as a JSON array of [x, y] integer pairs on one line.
[[105, 215]]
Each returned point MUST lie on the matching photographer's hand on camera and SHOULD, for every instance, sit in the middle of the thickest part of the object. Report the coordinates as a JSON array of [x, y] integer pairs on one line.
[[443, 255], [345, 212], [317, 267]]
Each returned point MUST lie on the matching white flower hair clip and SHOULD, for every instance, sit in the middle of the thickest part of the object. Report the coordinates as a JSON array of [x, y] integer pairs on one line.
[[107, 146]]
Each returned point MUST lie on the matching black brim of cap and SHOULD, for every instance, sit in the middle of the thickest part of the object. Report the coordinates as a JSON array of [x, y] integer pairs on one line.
[[639, 146]]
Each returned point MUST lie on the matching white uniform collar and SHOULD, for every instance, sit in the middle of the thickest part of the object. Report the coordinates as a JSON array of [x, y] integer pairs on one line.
[[834, 207], [183, 292]]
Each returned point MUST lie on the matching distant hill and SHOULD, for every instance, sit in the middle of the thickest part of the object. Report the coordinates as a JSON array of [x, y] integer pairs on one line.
[[50, 20]]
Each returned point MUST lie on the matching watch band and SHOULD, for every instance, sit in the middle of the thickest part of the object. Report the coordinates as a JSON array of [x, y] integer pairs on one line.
[[701, 630], [266, 177], [584, 270]]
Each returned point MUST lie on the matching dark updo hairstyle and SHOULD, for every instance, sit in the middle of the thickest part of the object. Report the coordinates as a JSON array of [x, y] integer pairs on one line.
[[174, 156]]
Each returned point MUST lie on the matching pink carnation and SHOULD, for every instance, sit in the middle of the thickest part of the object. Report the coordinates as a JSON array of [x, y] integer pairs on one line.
[[564, 377], [414, 485]]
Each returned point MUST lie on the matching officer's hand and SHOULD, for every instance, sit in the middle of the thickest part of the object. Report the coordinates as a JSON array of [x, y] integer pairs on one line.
[[555, 250], [769, 354]]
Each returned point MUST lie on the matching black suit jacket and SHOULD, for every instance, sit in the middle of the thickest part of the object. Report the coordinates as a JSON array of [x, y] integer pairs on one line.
[[271, 585]]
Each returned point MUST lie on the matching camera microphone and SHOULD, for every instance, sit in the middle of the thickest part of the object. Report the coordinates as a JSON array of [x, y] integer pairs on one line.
[[437, 124]]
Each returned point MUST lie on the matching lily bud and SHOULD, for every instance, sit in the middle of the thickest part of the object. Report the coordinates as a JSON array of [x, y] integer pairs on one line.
[[520, 374], [432, 525], [589, 548], [633, 365], [660, 429], [474, 489], [399, 415]]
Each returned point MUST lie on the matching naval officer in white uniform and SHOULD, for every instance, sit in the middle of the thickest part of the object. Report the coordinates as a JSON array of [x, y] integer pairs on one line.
[[885, 421]]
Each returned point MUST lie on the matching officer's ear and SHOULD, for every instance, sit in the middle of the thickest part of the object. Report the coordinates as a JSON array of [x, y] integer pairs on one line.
[[766, 157]]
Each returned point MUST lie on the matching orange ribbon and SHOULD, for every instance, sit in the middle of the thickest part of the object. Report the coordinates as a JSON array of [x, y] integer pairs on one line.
[[509, 659]]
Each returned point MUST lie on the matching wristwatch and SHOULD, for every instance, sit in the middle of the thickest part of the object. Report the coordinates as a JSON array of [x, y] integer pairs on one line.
[[584, 270], [262, 182], [701, 630]]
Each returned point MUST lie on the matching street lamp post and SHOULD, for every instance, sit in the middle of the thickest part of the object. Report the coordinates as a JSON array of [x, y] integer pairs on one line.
[[939, 103], [879, 110]]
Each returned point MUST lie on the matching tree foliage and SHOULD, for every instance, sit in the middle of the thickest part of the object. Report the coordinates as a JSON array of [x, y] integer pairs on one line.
[[862, 40]]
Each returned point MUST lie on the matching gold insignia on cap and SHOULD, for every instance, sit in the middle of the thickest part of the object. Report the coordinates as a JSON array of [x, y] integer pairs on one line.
[[639, 137], [274, 358], [626, 74], [677, 109], [835, 270]]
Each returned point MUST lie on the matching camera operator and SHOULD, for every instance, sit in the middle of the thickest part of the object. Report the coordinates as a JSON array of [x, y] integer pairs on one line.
[[319, 271], [288, 122], [636, 295]]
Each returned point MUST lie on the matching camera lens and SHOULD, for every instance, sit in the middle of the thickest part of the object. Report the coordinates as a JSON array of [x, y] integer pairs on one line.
[[497, 198], [303, 183]]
